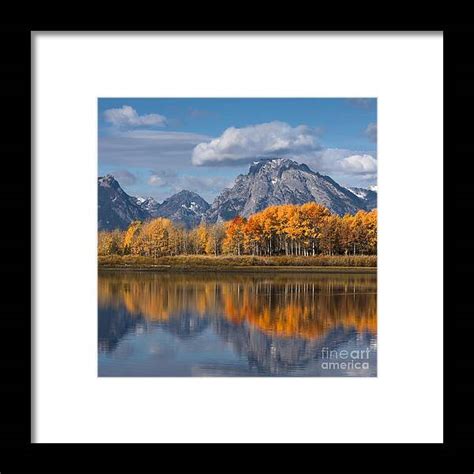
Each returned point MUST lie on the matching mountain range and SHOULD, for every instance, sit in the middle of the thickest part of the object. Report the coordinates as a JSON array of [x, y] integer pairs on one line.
[[268, 182]]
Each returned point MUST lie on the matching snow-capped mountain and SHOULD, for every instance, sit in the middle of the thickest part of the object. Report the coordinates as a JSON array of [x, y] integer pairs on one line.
[[116, 208], [281, 181], [185, 208], [268, 182], [148, 204], [368, 196]]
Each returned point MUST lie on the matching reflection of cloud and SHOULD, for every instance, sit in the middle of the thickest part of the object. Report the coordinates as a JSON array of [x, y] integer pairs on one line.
[[243, 145], [127, 117], [371, 132]]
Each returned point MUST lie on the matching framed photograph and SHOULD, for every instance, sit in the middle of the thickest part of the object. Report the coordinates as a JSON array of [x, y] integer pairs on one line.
[[237, 239], [231, 256]]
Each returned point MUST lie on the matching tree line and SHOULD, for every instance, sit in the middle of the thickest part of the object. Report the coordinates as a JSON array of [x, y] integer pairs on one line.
[[290, 229]]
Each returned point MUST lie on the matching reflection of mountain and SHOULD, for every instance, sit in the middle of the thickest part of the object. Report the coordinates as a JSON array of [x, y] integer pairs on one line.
[[272, 355], [278, 323], [114, 323], [186, 326]]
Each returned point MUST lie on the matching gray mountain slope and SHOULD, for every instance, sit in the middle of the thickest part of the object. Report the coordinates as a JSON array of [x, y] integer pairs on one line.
[[367, 195], [281, 181], [148, 204], [116, 208], [185, 208]]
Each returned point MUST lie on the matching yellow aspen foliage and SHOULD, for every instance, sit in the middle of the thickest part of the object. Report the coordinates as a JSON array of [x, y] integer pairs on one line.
[[234, 238], [110, 243], [289, 229], [130, 237]]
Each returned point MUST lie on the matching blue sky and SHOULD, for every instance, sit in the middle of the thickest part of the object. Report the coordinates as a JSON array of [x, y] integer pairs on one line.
[[156, 147]]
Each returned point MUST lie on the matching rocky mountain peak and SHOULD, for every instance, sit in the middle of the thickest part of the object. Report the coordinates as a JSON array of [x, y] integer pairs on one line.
[[276, 181], [269, 182], [148, 204], [185, 207], [369, 196], [267, 165], [108, 181], [116, 208]]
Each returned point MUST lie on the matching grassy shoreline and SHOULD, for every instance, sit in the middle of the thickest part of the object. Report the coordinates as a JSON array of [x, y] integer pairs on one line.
[[246, 263]]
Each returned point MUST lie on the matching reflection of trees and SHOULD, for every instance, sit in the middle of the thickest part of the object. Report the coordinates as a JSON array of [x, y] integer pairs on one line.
[[279, 323], [289, 305]]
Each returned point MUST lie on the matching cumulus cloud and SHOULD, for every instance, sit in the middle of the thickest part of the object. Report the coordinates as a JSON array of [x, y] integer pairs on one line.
[[359, 164], [347, 167], [127, 117], [170, 156], [243, 145], [371, 132]]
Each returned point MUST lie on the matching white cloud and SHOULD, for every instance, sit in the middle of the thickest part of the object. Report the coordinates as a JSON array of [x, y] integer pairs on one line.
[[127, 117], [371, 132], [156, 180], [163, 177], [358, 164], [347, 167], [241, 145]]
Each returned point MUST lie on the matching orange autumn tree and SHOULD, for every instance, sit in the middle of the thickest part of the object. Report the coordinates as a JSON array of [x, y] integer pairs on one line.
[[156, 238], [234, 236], [289, 229]]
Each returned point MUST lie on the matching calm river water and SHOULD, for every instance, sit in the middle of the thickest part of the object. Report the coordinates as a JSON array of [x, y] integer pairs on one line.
[[231, 324]]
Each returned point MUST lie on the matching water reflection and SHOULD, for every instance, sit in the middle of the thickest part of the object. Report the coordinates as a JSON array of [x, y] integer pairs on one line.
[[170, 324]]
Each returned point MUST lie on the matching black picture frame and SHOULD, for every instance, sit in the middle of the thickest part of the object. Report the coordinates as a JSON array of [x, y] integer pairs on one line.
[[17, 451]]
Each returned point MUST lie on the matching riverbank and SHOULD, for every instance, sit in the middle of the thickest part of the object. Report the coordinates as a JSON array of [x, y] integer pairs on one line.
[[245, 263]]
